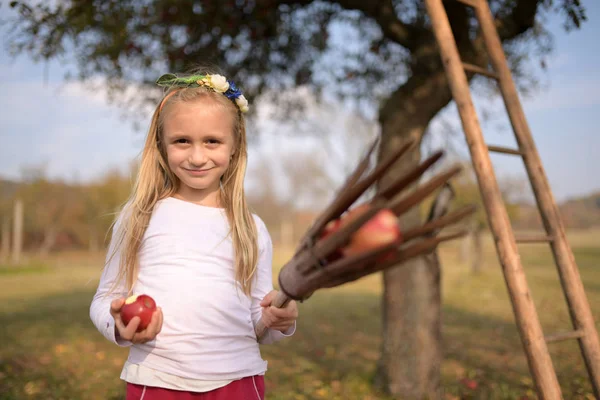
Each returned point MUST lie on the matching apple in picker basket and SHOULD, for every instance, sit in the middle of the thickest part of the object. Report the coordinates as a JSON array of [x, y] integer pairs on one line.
[[380, 230], [331, 227], [142, 306]]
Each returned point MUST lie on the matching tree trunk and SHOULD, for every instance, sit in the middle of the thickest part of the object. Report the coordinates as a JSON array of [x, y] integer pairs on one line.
[[17, 232], [411, 348], [49, 240], [465, 246], [5, 239]]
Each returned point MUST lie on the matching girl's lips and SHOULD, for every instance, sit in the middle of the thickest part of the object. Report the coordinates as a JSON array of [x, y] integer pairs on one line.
[[197, 172]]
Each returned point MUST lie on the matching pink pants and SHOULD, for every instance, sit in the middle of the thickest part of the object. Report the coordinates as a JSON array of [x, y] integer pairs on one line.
[[249, 388]]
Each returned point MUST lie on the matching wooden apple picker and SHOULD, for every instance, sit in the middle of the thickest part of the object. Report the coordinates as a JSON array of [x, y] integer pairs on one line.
[[345, 244]]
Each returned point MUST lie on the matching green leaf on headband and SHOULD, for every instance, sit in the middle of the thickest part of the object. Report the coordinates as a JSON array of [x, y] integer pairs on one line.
[[191, 79], [166, 80]]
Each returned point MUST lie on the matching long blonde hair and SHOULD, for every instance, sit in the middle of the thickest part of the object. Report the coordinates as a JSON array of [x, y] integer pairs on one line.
[[155, 181]]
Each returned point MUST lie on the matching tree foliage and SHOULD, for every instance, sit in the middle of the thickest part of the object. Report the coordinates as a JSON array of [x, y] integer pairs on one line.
[[58, 214], [362, 50]]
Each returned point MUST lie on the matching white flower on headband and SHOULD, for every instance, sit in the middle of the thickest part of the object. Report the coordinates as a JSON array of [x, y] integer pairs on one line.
[[219, 83], [242, 103]]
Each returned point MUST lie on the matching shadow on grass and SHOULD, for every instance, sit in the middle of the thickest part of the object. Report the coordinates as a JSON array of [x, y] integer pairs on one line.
[[52, 351]]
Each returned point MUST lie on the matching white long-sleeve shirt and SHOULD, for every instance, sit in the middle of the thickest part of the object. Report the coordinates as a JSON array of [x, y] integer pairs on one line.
[[187, 266]]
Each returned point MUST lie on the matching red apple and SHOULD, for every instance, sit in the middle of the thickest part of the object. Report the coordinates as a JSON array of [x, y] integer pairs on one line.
[[380, 230], [142, 306], [331, 227]]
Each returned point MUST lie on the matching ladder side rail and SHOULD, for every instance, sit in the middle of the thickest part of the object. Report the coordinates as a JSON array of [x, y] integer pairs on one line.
[[573, 288]]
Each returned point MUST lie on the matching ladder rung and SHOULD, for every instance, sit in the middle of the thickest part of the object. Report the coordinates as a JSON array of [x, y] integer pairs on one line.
[[533, 238], [564, 336], [470, 3], [479, 70], [506, 150]]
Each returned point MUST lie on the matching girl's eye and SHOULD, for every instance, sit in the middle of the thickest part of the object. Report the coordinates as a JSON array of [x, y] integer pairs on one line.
[[213, 141], [181, 141]]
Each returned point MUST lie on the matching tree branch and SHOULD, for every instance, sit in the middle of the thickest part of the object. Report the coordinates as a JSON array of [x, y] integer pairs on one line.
[[520, 19], [381, 11], [385, 15]]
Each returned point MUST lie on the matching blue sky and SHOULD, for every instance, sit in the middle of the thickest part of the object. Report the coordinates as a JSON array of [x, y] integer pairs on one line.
[[76, 135]]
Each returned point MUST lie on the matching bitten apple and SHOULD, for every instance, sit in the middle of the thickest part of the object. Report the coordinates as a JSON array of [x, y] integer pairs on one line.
[[142, 306]]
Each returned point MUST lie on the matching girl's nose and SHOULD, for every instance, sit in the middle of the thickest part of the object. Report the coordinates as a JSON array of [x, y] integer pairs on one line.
[[198, 156]]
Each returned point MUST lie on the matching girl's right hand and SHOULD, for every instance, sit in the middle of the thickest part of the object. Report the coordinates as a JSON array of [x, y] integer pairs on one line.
[[129, 332]]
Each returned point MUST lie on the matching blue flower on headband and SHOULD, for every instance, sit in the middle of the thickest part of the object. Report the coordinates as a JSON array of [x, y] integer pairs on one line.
[[233, 92]]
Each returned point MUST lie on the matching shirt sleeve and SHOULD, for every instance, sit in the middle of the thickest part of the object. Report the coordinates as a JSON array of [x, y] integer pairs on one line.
[[100, 307], [263, 284]]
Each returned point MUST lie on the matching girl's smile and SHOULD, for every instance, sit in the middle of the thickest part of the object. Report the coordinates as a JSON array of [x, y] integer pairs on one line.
[[198, 172]]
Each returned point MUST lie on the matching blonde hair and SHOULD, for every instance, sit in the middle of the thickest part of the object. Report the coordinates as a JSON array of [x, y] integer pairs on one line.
[[155, 181]]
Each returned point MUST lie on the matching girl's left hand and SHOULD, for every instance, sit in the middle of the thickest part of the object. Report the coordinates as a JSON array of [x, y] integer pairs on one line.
[[280, 319]]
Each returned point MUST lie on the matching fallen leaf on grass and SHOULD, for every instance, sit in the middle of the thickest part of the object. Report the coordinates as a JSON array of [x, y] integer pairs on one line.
[[32, 388], [60, 348], [45, 359], [527, 381], [336, 386]]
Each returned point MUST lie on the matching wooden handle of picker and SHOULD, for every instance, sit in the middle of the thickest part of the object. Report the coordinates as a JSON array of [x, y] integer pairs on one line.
[[280, 301]]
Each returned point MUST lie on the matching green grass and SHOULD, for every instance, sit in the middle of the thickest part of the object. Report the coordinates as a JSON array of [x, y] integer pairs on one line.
[[50, 349], [28, 268]]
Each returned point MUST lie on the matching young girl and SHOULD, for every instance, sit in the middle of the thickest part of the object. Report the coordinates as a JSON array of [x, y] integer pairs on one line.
[[187, 239]]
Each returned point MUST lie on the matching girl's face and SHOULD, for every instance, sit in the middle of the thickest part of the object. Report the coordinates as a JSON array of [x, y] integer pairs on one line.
[[199, 142]]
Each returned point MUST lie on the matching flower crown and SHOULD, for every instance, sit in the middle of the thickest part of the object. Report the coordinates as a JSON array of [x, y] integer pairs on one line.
[[216, 82]]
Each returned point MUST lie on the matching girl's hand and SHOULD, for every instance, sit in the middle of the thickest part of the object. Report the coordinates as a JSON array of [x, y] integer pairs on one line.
[[280, 319], [129, 332]]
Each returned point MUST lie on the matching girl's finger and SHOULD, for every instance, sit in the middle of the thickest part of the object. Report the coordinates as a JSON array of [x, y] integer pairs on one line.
[[120, 327], [266, 301], [281, 327], [151, 330], [131, 328], [281, 312], [139, 338], [116, 305], [160, 320], [268, 320], [153, 327]]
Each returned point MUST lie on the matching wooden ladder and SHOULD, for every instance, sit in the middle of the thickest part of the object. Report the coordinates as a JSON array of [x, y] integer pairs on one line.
[[532, 337]]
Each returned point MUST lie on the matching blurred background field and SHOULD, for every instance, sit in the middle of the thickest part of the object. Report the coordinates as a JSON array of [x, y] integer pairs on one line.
[[323, 79], [51, 350]]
